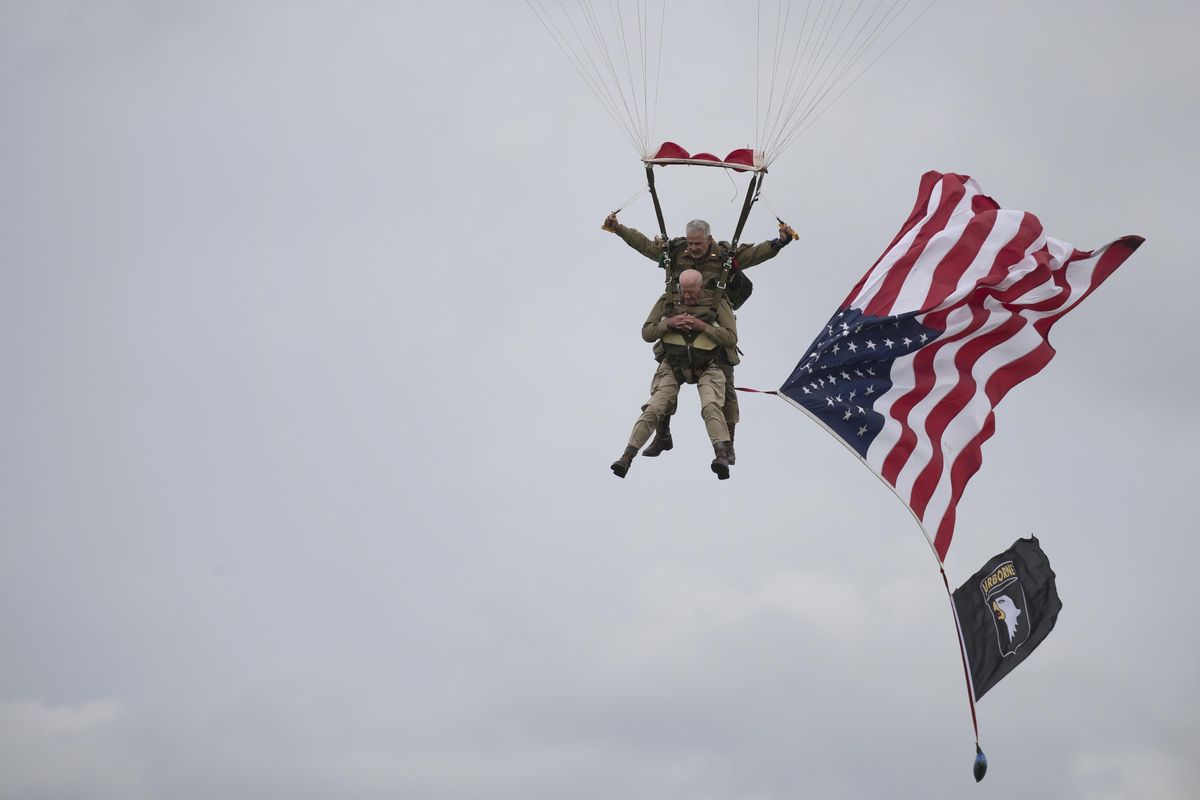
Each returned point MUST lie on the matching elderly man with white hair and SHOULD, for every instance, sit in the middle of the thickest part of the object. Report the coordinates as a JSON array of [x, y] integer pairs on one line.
[[699, 251]]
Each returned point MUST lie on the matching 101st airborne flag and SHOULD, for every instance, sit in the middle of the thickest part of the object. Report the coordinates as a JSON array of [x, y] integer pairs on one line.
[[1005, 610]]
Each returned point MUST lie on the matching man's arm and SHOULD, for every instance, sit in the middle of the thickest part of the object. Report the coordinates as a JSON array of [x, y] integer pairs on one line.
[[655, 326], [750, 254], [724, 333], [634, 238]]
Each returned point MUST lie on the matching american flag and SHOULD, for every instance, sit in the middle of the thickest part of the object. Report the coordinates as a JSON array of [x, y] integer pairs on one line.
[[957, 311]]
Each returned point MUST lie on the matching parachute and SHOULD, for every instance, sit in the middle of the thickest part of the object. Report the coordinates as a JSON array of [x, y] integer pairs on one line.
[[807, 55]]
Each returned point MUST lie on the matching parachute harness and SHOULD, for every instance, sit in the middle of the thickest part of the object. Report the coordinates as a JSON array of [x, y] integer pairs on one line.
[[729, 264]]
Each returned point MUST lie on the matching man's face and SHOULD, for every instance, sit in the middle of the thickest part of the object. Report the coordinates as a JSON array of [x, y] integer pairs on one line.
[[697, 244], [691, 291]]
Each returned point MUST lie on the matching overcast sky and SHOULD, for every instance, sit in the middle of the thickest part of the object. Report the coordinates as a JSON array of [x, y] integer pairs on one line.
[[314, 360]]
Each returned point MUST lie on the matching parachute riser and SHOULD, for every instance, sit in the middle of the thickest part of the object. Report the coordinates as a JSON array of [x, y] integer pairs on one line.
[[672, 301], [662, 225], [752, 193]]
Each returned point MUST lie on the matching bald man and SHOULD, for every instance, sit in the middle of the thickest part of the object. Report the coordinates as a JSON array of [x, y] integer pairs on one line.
[[690, 338]]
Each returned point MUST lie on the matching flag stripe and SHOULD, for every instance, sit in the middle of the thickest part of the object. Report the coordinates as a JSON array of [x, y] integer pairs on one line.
[[891, 280], [930, 182], [927, 379], [970, 340], [957, 266], [995, 330]]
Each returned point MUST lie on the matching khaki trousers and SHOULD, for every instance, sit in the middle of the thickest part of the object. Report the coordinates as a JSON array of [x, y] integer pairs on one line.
[[732, 412], [731, 408], [664, 389]]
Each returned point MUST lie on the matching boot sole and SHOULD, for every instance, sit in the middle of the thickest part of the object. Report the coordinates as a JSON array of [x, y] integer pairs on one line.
[[721, 471], [620, 470]]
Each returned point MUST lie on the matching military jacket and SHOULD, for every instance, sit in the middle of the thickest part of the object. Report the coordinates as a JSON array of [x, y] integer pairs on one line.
[[722, 331], [709, 265]]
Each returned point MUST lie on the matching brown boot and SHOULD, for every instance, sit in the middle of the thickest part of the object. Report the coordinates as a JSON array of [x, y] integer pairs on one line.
[[720, 464], [622, 464], [662, 439], [729, 449]]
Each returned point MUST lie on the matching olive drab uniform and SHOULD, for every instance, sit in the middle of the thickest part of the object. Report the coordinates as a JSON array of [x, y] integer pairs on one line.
[[687, 357], [710, 266]]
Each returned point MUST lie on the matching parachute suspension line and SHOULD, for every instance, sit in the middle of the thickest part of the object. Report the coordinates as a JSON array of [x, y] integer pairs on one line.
[[602, 50], [803, 46], [847, 59], [642, 25], [595, 82], [732, 185], [650, 105], [643, 107], [837, 42], [802, 39], [782, 41], [801, 129], [778, 216], [602, 53], [589, 14], [805, 31], [818, 105], [627, 29], [814, 62], [658, 69], [603, 85], [631, 198], [619, 24], [775, 55]]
